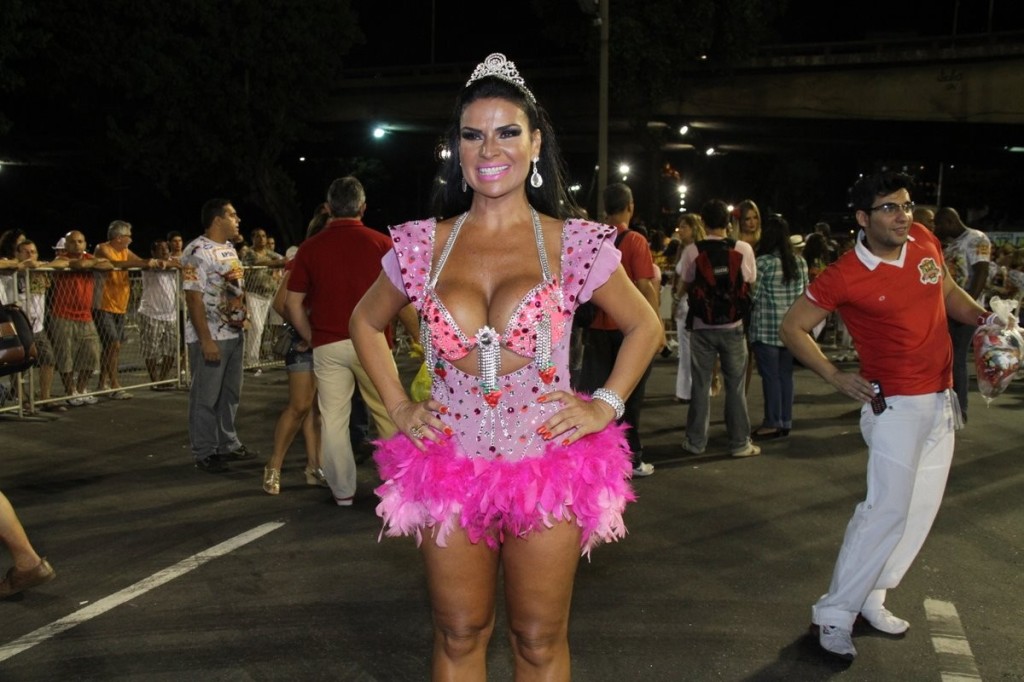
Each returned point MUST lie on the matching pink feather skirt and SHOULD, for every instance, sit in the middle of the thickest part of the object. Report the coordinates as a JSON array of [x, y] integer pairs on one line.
[[586, 483]]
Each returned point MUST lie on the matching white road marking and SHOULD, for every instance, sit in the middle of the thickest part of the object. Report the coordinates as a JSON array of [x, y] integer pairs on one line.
[[145, 585], [956, 660]]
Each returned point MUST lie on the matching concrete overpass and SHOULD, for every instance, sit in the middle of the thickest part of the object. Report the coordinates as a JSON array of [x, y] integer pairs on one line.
[[927, 105], [964, 95]]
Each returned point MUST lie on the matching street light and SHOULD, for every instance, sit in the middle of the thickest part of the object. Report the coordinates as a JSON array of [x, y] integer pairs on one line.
[[378, 133], [624, 171]]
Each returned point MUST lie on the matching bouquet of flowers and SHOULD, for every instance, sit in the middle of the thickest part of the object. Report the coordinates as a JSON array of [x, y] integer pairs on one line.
[[998, 349]]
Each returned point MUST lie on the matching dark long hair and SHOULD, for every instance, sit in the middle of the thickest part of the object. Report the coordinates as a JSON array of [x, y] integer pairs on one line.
[[816, 248], [551, 198], [775, 240], [9, 242]]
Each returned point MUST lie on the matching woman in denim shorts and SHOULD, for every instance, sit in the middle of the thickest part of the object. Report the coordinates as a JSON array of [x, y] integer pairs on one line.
[[301, 411]]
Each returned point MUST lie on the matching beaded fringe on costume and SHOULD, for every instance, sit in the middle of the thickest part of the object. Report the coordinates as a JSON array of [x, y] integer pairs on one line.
[[585, 482]]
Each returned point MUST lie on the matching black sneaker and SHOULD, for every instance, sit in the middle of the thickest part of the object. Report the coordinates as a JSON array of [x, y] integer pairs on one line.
[[211, 465], [241, 452]]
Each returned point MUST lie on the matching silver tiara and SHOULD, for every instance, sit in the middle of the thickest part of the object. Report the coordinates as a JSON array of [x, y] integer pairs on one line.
[[497, 66]]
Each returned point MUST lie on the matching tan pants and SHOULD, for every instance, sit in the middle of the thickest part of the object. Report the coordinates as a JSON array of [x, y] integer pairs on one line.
[[338, 372]]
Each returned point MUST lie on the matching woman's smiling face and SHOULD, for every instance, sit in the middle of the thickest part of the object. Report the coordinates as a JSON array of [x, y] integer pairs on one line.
[[496, 146]]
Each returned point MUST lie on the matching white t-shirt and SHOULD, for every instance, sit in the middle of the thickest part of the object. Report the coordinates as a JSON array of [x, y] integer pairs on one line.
[[158, 295]]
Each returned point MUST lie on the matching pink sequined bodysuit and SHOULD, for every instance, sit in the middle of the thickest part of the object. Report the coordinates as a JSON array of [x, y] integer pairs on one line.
[[496, 475]]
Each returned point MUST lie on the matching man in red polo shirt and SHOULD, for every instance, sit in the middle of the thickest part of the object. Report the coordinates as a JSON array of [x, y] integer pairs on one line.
[[331, 272], [894, 292], [602, 340]]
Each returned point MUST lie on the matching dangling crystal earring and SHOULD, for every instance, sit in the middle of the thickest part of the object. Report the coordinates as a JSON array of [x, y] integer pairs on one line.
[[535, 179], [463, 183]]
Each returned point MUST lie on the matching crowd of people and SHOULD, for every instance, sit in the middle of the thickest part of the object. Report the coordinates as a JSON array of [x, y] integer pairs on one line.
[[84, 302], [77, 303], [519, 460]]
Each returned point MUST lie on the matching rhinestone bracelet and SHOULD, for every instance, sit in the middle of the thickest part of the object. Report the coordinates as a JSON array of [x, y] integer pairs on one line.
[[606, 395]]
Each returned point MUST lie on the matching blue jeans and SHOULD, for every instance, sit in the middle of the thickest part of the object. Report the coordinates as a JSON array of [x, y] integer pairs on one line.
[[731, 346], [775, 365], [213, 399]]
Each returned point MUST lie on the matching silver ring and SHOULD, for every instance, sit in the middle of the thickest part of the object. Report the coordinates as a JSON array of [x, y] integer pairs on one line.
[[416, 431]]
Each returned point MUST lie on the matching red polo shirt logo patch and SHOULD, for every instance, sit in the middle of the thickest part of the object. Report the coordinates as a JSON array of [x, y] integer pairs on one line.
[[929, 270]]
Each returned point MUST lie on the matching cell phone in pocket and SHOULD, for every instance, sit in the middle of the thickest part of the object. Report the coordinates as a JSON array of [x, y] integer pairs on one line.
[[878, 402]]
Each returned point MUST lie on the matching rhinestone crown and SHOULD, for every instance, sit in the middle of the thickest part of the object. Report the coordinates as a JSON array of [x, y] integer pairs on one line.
[[498, 66]]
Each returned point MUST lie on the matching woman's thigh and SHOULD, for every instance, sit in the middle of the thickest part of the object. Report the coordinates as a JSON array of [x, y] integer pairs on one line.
[[539, 574], [462, 579], [301, 390]]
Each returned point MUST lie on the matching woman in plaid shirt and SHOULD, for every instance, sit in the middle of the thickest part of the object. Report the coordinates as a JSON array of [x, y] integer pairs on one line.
[[781, 278]]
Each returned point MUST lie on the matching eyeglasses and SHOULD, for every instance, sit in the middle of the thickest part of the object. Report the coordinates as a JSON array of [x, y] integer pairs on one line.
[[890, 208]]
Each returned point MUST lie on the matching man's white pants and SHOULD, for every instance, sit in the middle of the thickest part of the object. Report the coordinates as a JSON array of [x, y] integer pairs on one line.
[[338, 372], [257, 316], [910, 449]]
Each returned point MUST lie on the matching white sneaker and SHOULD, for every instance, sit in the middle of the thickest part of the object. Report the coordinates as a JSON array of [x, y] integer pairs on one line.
[[644, 469], [75, 400], [89, 399], [837, 641], [883, 620], [750, 451]]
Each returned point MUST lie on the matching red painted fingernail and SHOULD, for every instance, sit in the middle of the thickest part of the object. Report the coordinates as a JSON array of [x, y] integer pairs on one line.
[[565, 442], [448, 431], [443, 410], [542, 399]]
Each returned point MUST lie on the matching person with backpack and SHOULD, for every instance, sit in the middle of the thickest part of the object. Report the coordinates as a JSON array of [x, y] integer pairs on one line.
[[717, 273]]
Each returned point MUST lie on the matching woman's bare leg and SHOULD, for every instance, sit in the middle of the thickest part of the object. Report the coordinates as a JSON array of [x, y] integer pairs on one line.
[[13, 535], [301, 389], [539, 574], [462, 579]]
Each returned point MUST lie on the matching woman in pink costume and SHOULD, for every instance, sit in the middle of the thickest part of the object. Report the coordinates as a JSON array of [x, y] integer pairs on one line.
[[504, 467]]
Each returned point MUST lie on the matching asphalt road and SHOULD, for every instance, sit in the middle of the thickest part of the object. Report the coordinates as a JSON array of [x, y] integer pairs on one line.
[[714, 581]]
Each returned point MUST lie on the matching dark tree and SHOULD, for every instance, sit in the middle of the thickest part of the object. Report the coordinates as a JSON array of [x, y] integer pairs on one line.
[[197, 95]]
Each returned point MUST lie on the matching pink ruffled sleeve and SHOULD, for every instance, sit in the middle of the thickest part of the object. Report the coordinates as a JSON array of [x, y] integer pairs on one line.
[[607, 260], [393, 269], [589, 257], [408, 263]]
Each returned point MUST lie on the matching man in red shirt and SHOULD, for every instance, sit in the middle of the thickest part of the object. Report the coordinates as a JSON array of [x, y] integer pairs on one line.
[[331, 272], [894, 293], [76, 344], [602, 340]]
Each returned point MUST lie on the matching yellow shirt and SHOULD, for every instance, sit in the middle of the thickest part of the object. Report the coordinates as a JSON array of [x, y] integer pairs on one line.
[[116, 288]]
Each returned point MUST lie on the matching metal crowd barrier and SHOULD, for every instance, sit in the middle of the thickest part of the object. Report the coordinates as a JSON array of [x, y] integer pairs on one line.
[[74, 353]]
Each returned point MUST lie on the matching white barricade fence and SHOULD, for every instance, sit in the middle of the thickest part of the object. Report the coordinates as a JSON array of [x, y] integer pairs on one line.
[[262, 324], [99, 335]]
